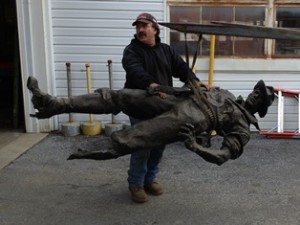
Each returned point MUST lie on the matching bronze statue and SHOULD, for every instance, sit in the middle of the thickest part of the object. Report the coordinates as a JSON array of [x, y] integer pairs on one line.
[[179, 117]]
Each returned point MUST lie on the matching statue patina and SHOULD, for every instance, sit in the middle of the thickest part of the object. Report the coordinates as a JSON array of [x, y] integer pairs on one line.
[[179, 116]]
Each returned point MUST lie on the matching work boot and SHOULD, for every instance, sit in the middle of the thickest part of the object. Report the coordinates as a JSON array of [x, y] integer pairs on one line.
[[46, 104], [154, 188], [100, 102], [138, 194]]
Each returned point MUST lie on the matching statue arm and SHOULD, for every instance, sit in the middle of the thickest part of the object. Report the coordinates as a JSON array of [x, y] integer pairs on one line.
[[216, 156]]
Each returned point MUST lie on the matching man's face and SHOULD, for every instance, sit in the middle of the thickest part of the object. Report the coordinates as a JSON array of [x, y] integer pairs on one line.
[[254, 100], [145, 33]]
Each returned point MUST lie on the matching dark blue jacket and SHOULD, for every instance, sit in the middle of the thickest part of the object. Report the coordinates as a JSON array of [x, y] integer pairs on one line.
[[146, 64]]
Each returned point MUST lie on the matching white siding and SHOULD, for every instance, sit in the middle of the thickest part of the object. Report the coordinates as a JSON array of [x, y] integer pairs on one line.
[[240, 75], [94, 32]]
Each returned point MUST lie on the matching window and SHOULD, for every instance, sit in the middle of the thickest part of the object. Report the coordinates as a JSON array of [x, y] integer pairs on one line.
[[253, 47], [287, 17], [225, 45]]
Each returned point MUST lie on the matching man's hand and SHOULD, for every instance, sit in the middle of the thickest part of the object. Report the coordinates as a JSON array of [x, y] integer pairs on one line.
[[203, 85], [161, 94], [153, 85]]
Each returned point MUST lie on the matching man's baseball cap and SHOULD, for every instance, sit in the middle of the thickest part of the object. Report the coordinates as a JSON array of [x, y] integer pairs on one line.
[[144, 18]]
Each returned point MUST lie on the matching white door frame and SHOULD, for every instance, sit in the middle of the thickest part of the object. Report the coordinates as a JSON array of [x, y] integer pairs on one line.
[[36, 55]]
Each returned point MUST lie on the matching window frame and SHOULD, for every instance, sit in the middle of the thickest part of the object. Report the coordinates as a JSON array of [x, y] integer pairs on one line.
[[282, 4], [270, 20]]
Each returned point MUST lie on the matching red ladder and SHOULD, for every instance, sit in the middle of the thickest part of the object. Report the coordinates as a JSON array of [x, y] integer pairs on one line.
[[281, 133]]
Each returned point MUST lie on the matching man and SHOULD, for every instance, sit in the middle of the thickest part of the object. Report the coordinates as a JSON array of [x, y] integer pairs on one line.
[[179, 116], [149, 63]]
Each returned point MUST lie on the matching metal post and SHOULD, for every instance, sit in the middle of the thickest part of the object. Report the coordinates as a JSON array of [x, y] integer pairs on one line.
[[89, 85], [109, 62], [69, 85]]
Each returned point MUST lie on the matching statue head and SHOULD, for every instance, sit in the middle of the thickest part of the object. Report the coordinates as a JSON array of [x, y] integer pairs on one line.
[[260, 99]]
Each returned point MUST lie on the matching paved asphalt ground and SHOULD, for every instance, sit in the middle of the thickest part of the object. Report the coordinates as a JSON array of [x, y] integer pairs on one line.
[[262, 187]]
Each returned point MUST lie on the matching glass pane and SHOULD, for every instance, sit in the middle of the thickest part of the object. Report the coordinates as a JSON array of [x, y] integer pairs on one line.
[[224, 44], [249, 46], [250, 15], [217, 13], [288, 17], [184, 14]]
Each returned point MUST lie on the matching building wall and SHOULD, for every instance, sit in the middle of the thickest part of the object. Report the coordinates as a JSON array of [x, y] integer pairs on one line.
[[94, 32], [79, 31], [240, 75]]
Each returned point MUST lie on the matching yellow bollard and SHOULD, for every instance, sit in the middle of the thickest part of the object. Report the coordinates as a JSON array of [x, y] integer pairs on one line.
[[90, 128], [211, 60], [211, 65]]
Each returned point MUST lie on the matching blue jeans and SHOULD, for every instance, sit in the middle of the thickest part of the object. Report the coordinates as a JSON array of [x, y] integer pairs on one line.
[[143, 164]]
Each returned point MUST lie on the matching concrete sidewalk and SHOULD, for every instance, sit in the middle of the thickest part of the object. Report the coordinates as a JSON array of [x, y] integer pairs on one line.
[[16, 145], [262, 187]]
